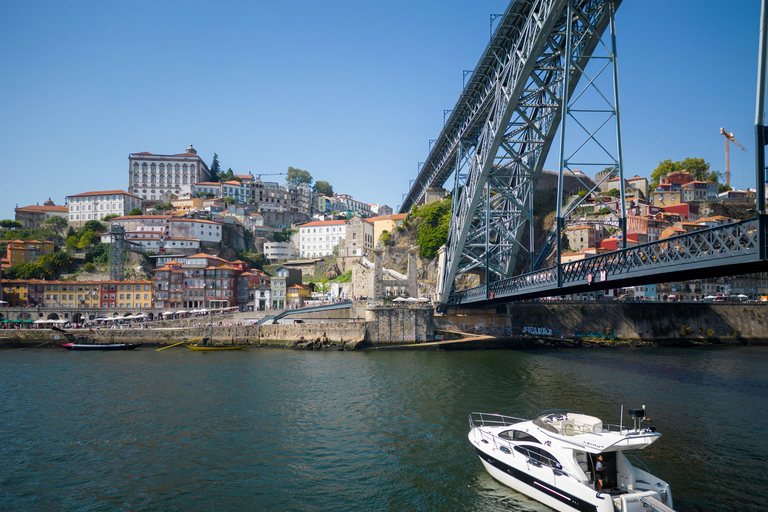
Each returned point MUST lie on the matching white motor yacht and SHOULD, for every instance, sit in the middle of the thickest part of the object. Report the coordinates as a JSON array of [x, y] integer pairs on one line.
[[553, 460]]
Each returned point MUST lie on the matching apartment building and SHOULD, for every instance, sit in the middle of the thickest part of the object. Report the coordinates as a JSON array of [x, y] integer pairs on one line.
[[157, 177]]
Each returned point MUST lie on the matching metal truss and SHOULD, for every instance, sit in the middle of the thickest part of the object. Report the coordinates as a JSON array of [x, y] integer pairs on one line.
[[495, 202], [117, 252], [721, 250]]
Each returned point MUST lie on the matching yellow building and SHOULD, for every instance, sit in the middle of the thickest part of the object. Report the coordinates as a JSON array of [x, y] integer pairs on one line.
[[297, 294], [187, 204], [19, 251], [385, 223], [129, 295]]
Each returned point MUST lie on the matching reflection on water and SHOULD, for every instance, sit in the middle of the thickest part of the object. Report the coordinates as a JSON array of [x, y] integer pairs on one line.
[[282, 430]]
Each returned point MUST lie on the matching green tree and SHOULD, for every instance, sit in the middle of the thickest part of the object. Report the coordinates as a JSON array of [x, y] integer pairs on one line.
[[284, 235], [323, 286], [297, 177], [228, 176], [71, 243], [110, 217], [86, 240], [253, 259], [8, 223], [228, 200], [56, 222], [696, 166], [92, 225], [135, 211], [215, 168], [54, 263], [614, 192], [24, 271], [433, 222], [323, 188]]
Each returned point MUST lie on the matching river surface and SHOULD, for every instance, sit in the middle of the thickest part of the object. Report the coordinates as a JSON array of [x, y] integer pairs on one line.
[[280, 430]]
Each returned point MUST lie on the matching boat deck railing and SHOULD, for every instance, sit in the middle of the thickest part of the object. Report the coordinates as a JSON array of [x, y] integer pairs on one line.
[[483, 419], [533, 455]]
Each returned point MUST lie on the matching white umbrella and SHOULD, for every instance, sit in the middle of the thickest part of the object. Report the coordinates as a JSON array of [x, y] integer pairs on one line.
[[41, 321], [60, 321], [167, 313], [140, 315], [741, 296], [181, 312], [709, 297], [3, 302], [129, 317], [400, 299], [194, 311], [203, 311]]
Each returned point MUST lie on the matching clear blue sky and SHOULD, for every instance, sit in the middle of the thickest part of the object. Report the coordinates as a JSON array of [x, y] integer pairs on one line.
[[349, 91]]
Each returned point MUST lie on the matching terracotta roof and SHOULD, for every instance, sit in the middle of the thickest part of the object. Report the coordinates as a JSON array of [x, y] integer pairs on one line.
[[38, 208], [104, 193], [323, 223]]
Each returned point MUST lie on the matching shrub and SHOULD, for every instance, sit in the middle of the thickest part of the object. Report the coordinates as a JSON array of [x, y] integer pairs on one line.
[[89, 267]]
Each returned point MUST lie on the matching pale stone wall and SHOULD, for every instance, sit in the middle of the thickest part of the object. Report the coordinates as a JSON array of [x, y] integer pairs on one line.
[[399, 324]]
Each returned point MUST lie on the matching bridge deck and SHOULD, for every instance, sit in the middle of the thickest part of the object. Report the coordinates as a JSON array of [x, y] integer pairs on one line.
[[731, 249]]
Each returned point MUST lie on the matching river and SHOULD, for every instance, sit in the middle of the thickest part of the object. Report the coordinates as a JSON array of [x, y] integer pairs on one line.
[[281, 430]]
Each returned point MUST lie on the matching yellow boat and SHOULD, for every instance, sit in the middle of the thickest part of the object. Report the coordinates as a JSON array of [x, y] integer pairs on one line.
[[213, 347], [204, 345]]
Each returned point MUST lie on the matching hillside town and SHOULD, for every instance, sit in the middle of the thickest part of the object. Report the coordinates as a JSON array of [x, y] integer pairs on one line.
[[198, 238]]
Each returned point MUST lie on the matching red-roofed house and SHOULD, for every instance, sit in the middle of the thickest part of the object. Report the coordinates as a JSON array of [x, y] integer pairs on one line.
[[35, 215]]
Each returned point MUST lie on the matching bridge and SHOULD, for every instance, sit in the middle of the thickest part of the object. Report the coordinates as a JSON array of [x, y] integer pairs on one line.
[[550, 68]]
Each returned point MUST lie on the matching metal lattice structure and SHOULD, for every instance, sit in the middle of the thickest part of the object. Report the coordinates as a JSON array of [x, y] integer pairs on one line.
[[737, 248], [117, 252], [525, 87]]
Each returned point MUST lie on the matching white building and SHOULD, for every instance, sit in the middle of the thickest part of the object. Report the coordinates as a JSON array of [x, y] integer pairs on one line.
[[203, 230], [153, 177], [279, 251], [95, 205], [320, 238]]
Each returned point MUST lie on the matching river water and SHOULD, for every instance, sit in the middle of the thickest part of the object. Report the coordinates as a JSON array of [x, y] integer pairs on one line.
[[280, 430]]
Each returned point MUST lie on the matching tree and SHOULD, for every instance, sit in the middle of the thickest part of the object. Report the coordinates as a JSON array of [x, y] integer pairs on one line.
[[86, 240], [285, 235], [92, 225], [71, 242], [434, 221], [135, 211], [8, 223], [297, 177], [54, 263], [323, 188], [24, 271], [215, 168], [228, 200], [698, 168], [56, 222]]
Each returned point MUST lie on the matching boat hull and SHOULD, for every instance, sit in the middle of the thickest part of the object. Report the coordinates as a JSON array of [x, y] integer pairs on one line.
[[539, 489], [96, 346]]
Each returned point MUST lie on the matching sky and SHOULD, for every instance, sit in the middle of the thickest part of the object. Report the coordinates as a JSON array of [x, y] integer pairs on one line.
[[350, 91]]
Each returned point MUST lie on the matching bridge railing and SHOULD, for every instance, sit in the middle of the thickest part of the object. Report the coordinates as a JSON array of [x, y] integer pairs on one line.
[[731, 244]]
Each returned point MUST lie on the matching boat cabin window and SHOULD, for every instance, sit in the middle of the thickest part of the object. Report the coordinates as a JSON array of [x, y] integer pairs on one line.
[[537, 455], [518, 435]]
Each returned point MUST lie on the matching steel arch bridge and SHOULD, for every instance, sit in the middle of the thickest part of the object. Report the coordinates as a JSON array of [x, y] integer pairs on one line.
[[532, 80]]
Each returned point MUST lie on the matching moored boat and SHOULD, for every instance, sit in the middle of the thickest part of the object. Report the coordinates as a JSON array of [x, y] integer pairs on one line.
[[99, 346], [570, 461], [205, 344]]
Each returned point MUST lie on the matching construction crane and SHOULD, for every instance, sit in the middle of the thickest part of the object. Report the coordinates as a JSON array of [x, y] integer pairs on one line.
[[258, 176], [728, 138]]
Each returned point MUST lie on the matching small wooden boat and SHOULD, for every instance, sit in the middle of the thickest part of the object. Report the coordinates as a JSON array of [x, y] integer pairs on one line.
[[99, 346], [214, 347], [203, 345]]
